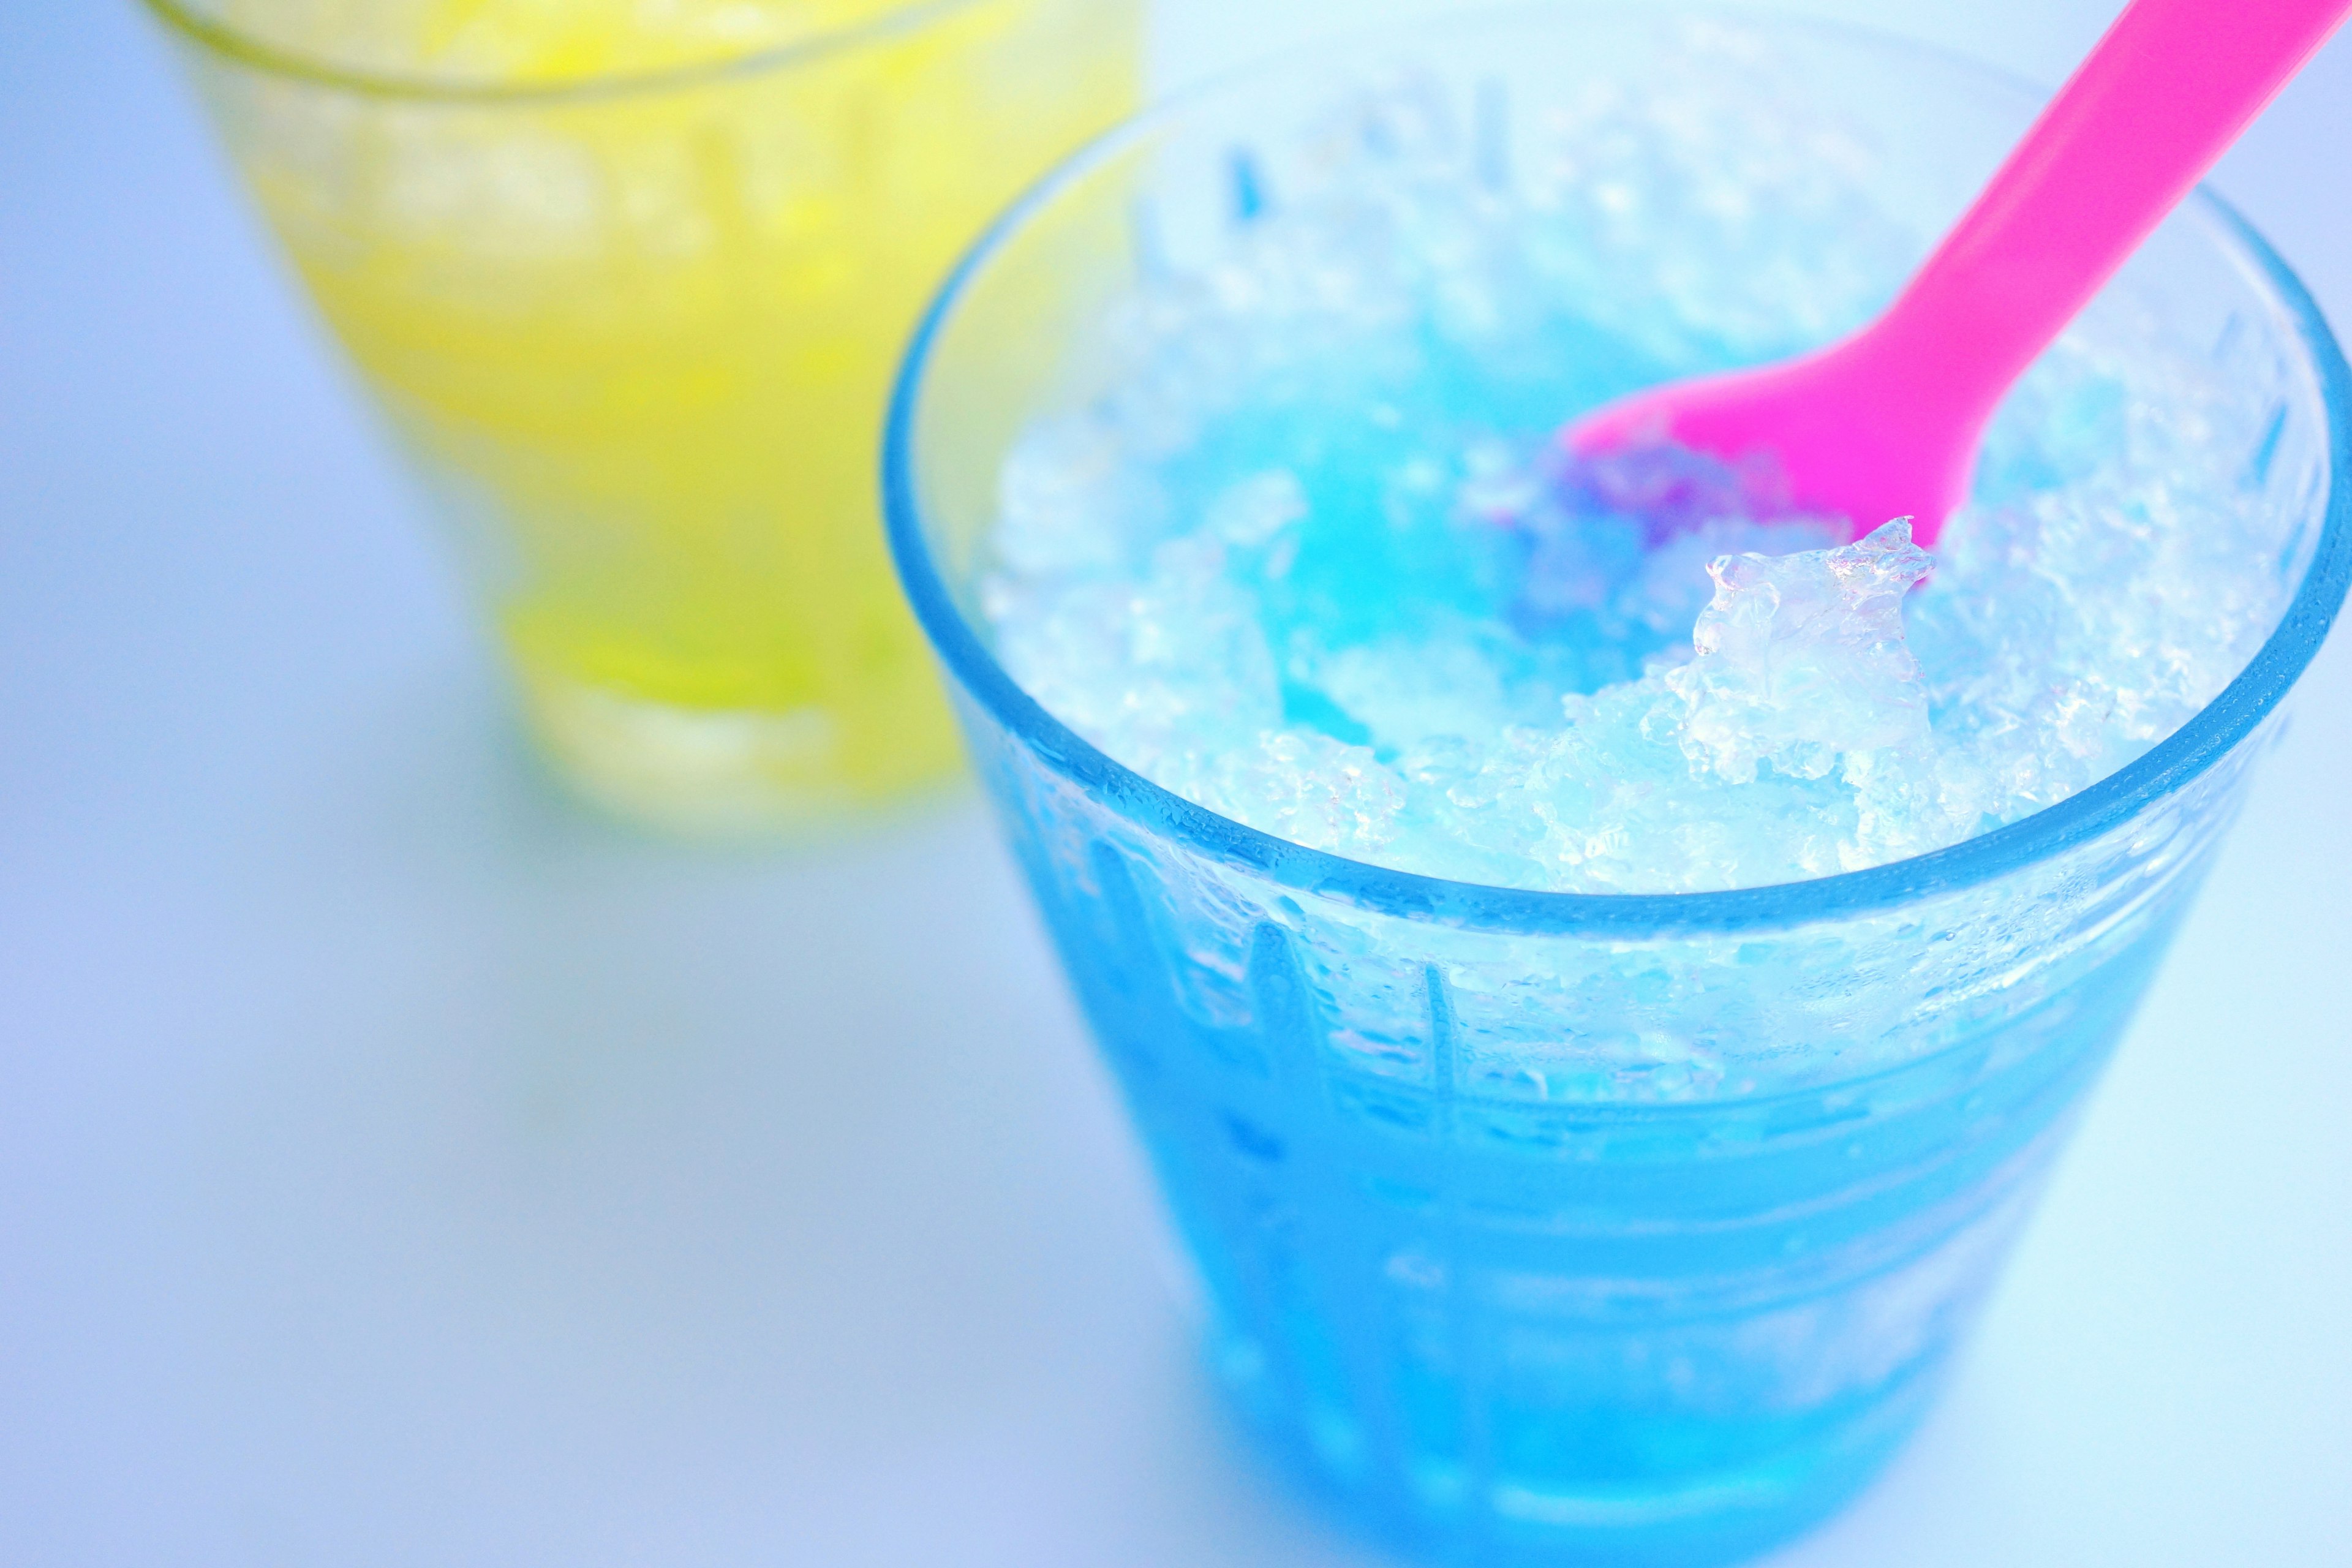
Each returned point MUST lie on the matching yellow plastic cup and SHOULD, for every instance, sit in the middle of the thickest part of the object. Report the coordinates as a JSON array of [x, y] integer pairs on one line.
[[631, 295]]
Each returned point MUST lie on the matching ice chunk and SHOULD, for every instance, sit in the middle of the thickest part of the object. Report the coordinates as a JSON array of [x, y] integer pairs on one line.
[[1148, 667], [1627, 536], [1800, 659], [1296, 785], [1258, 510], [1068, 499]]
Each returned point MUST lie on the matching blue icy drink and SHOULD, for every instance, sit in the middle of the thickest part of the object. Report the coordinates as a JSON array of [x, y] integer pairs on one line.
[[1601, 959]]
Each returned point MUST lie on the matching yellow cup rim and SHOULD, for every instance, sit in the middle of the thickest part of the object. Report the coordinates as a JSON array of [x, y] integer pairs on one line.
[[245, 49]]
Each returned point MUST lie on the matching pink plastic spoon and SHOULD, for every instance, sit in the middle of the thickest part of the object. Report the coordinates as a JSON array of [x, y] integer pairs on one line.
[[1886, 422]]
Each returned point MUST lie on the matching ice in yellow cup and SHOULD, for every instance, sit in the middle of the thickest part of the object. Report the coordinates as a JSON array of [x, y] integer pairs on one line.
[[630, 277]]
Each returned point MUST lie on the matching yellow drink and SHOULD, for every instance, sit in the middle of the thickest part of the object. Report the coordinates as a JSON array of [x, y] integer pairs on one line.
[[632, 277]]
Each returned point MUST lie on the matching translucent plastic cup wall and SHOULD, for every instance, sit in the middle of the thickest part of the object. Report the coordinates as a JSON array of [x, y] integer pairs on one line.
[[636, 333], [1534, 1224]]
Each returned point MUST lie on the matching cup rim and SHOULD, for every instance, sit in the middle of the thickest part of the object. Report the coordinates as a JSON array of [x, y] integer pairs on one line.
[[2210, 734], [249, 50]]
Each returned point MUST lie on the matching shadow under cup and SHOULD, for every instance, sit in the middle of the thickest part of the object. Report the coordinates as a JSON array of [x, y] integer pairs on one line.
[[1487, 1256]]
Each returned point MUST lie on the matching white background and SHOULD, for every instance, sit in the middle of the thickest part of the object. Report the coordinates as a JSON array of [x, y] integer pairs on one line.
[[397, 1167]]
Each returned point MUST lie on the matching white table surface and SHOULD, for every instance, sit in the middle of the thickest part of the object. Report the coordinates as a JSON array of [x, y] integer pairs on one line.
[[398, 1167]]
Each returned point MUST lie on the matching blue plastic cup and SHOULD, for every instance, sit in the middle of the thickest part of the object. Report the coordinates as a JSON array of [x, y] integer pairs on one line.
[[1540, 1227]]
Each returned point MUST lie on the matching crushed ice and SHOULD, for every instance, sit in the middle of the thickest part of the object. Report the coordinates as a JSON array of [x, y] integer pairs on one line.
[[1799, 660], [1292, 564]]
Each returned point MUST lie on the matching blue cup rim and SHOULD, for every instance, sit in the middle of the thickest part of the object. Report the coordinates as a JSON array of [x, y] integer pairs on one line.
[[2162, 772]]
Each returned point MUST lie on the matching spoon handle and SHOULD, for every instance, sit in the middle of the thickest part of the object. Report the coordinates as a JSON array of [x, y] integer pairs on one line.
[[2168, 88]]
